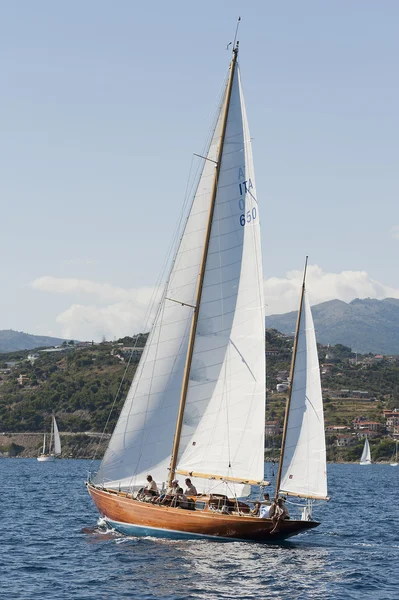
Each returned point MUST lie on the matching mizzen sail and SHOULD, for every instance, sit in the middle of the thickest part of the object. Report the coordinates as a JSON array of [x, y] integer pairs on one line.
[[304, 456]]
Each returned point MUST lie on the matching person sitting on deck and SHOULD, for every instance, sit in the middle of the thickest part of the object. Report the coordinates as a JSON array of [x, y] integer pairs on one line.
[[150, 490], [169, 495], [266, 508], [180, 499], [255, 510], [191, 490], [280, 514]]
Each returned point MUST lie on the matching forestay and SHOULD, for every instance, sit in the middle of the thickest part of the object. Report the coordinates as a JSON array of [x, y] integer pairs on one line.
[[223, 426], [142, 440], [304, 459]]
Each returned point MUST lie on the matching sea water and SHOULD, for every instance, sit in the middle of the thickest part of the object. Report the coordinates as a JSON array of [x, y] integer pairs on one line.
[[44, 552]]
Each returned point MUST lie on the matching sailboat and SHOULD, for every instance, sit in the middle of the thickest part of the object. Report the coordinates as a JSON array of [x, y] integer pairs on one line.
[[54, 444], [365, 459], [196, 406], [394, 462]]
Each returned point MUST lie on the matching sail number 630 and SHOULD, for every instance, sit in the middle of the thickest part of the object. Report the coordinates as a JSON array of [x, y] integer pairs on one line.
[[249, 216]]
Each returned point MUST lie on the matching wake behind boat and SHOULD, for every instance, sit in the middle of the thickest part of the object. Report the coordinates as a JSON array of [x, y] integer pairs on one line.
[[55, 444], [196, 407]]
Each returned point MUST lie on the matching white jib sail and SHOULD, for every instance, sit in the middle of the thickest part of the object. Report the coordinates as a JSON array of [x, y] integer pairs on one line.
[[304, 461], [366, 454], [223, 425], [142, 441], [57, 441]]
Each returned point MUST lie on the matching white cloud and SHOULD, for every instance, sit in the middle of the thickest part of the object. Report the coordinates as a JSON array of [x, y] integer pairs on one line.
[[117, 311], [114, 312], [394, 231], [87, 322], [282, 294]]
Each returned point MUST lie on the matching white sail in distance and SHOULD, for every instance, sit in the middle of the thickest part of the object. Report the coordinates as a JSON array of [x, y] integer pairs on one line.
[[57, 440], [223, 425], [365, 459], [304, 466], [143, 437]]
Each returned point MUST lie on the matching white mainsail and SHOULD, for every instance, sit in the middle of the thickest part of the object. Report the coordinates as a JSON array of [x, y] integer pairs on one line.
[[365, 459], [304, 460], [57, 441], [223, 426], [44, 444]]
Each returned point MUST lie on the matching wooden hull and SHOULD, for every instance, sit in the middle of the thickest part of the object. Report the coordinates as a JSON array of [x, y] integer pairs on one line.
[[131, 517]]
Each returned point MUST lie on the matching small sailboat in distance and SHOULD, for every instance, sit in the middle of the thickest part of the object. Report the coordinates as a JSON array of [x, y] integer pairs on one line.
[[365, 459], [394, 462], [54, 444]]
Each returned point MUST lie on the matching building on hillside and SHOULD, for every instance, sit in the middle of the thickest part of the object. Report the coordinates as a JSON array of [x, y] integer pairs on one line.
[[367, 433], [337, 428], [371, 425], [32, 358], [392, 422], [359, 394], [390, 413], [282, 375], [378, 357], [343, 394], [282, 387], [395, 433], [271, 352], [343, 440], [133, 353], [272, 428], [22, 379]]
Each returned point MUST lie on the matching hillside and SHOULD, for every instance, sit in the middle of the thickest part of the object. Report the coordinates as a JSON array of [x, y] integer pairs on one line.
[[367, 325], [81, 383], [11, 341]]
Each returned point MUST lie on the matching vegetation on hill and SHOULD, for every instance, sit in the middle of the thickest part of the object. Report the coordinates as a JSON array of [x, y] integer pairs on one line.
[[80, 384]]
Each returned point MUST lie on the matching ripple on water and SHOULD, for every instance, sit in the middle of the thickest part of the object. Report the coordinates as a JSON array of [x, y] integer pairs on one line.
[[52, 548]]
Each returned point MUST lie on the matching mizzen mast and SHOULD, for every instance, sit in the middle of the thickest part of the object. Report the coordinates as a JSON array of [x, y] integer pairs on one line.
[[201, 275]]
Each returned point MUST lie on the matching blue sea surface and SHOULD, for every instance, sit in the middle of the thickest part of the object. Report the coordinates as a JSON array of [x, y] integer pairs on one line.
[[45, 554]]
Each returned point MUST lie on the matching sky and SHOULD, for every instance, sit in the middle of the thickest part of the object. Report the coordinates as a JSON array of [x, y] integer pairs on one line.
[[102, 106]]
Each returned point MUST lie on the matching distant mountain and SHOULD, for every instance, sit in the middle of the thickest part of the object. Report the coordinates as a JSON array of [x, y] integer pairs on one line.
[[367, 325], [11, 341]]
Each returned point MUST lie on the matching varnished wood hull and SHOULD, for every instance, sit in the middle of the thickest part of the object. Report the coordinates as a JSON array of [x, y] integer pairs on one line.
[[140, 518]]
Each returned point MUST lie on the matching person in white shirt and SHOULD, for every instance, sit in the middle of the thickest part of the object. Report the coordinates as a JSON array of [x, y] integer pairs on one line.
[[149, 491]]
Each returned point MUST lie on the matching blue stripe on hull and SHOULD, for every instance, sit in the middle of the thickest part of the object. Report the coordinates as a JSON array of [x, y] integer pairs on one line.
[[142, 531]]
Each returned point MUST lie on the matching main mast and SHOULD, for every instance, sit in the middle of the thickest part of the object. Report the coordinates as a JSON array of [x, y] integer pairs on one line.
[[201, 275], [287, 408]]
